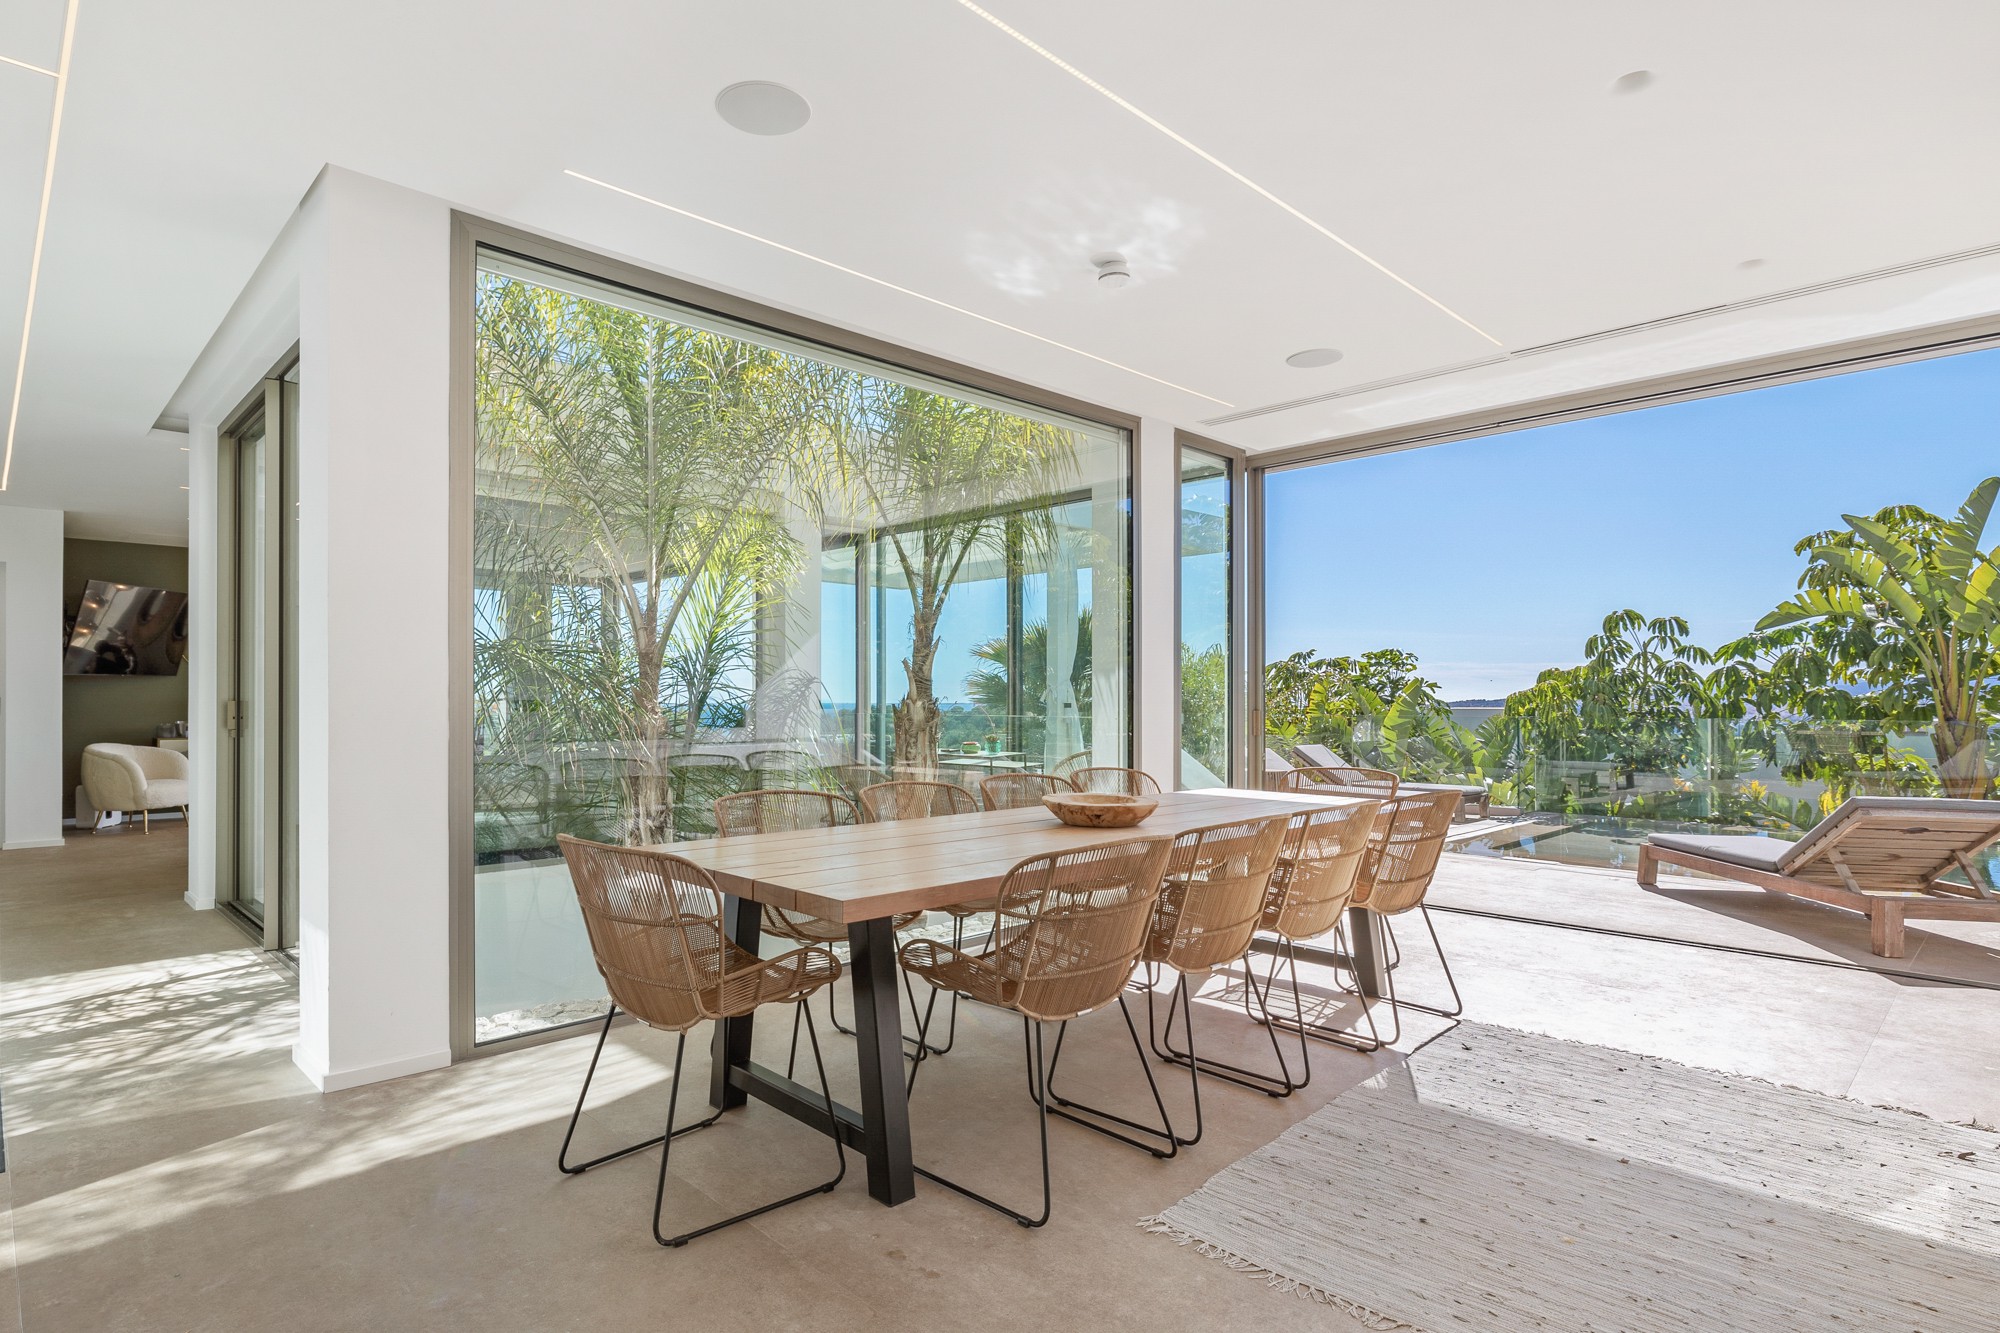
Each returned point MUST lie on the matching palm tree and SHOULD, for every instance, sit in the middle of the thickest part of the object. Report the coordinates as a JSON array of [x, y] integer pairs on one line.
[[634, 478], [943, 479], [988, 687], [1910, 604]]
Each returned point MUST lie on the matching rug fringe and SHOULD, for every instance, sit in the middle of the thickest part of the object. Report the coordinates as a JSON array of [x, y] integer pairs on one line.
[[1373, 1319]]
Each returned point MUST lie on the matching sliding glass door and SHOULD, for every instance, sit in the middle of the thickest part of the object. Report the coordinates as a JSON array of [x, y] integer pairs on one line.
[[708, 558], [258, 824]]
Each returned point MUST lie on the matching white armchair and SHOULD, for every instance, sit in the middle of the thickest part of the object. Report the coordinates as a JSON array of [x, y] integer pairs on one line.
[[135, 779]]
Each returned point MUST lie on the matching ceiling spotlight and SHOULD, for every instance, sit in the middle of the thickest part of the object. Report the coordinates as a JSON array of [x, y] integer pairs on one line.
[[757, 107], [1751, 263], [1637, 81], [1312, 357], [1112, 270]]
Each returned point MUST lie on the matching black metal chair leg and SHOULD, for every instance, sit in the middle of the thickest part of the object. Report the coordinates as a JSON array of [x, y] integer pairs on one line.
[[1457, 1001], [1038, 1080], [1181, 997], [1164, 1133], [673, 1098], [1353, 1041], [562, 1153]]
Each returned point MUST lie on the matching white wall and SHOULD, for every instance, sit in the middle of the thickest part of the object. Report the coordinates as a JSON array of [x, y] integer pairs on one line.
[[360, 281], [31, 561], [1156, 480], [375, 669]]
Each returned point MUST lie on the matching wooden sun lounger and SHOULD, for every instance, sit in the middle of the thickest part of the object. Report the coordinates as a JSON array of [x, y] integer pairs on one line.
[[1882, 856], [1473, 799]]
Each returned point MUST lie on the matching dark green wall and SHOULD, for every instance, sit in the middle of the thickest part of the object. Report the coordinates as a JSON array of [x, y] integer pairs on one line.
[[117, 708]]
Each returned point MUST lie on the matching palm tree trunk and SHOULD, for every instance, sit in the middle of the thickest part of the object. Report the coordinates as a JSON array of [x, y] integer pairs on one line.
[[1961, 753]]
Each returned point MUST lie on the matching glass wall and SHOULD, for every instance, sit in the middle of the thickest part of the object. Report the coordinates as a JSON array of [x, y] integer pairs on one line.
[[1204, 618], [1726, 614], [708, 558]]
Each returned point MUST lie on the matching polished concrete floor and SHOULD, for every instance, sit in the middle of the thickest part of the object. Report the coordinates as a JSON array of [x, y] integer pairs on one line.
[[169, 1169]]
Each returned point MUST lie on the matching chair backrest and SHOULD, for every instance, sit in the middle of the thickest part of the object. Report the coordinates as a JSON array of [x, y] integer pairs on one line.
[[1123, 781], [1340, 781], [1068, 764], [1403, 853], [886, 801], [781, 810], [1317, 872], [1070, 925], [1893, 842], [655, 926], [1012, 791], [1212, 896]]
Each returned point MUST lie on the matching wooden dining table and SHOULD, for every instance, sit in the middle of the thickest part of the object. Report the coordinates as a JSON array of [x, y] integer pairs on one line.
[[863, 875]]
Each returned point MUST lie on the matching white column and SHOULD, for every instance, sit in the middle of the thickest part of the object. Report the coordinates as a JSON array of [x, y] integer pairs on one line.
[[1156, 479], [374, 605], [31, 604]]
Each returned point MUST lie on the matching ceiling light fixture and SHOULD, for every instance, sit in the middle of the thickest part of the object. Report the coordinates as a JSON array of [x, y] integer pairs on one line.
[[882, 282], [1313, 357], [41, 230], [1112, 270], [1636, 82], [760, 107], [1225, 168], [1750, 263]]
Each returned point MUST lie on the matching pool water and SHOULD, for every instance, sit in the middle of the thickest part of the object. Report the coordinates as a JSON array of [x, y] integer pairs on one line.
[[1587, 840]]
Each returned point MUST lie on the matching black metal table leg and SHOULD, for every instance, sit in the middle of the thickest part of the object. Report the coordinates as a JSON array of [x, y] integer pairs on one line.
[[1364, 932], [878, 1026], [741, 919]]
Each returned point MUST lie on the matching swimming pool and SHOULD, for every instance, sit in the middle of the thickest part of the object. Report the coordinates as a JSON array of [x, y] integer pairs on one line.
[[1581, 840]]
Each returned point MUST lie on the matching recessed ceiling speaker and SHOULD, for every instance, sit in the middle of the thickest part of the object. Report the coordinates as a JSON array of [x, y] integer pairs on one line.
[[1313, 357], [757, 107], [1112, 270]]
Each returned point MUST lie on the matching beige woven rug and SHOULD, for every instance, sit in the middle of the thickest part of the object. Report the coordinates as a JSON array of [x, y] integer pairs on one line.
[[1505, 1181]]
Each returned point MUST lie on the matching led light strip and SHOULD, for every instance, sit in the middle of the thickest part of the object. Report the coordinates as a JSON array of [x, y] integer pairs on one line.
[[9, 60], [882, 282], [1224, 167], [61, 74]]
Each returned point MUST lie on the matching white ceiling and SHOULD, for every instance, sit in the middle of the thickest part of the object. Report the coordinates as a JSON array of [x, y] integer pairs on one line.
[[1477, 151]]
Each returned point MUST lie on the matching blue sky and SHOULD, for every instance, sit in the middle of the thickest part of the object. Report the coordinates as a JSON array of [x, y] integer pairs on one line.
[[1494, 558]]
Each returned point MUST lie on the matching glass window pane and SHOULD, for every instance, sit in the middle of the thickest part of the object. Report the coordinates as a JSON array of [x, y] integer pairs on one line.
[[1204, 614], [709, 558]]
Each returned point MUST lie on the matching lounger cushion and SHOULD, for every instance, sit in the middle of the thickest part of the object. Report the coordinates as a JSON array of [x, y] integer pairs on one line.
[[1743, 849], [1468, 791]]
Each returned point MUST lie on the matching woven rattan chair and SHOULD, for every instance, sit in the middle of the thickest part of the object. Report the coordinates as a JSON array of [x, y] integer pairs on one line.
[[1014, 791], [1211, 903], [1396, 874], [1371, 782], [655, 927], [1069, 764], [1311, 888], [922, 799], [788, 810], [1121, 781], [1070, 928]]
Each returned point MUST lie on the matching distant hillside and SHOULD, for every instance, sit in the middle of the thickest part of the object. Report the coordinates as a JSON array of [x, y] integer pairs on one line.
[[1475, 703]]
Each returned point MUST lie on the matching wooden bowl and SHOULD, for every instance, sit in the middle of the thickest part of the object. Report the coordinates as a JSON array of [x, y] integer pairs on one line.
[[1099, 809]]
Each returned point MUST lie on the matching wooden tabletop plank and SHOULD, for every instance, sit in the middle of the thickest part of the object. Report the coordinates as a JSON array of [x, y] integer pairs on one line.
[[862, 872]]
